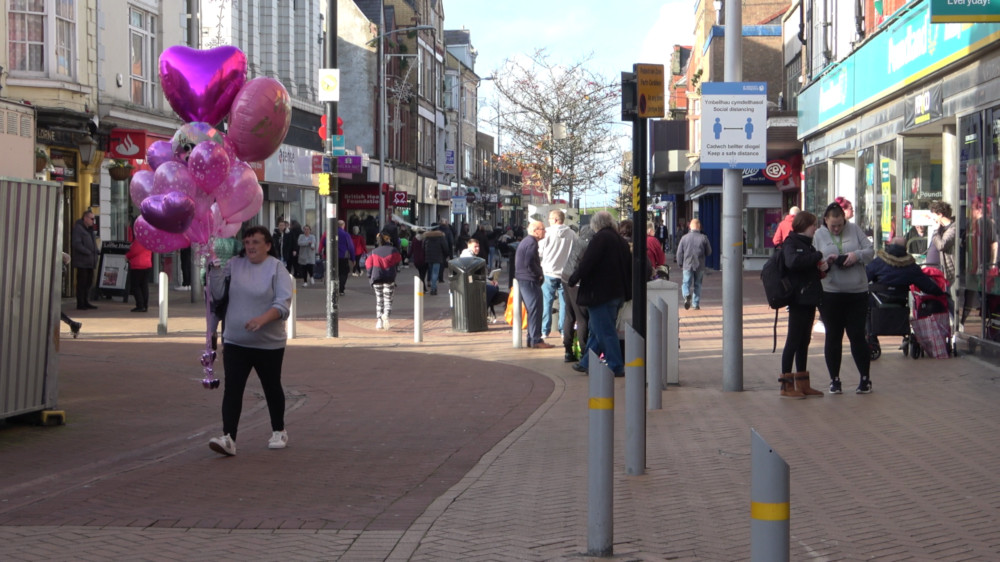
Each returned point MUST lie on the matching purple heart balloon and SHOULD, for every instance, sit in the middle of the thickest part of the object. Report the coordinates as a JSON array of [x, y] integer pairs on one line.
[[171, 213], [201, 85], [157, 240]]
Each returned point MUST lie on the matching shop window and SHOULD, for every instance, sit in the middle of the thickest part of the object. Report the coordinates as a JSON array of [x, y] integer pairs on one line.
[[817, 189], [876, 209], [760, 226], [921, 186], [975, 229]]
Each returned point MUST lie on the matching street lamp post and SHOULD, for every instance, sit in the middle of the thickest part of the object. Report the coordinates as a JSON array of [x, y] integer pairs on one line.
[[383, 137]]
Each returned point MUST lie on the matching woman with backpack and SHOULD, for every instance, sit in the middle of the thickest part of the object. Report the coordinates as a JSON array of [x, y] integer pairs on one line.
[[805, 268]]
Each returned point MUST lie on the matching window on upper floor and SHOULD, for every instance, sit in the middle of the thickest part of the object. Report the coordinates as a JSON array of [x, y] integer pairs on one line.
[[41, 37], [142, 49]]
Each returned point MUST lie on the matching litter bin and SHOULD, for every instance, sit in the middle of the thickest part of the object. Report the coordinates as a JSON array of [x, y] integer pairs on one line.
[[467, 278]]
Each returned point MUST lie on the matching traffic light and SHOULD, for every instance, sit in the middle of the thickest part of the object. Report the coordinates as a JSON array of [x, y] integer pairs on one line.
[[322, 127]]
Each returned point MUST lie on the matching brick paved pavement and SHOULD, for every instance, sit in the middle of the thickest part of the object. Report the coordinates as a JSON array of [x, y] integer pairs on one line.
[[906, 473]]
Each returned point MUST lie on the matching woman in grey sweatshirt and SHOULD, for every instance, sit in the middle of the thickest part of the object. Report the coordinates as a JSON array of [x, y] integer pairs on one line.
[[845, 294], [259, 298]]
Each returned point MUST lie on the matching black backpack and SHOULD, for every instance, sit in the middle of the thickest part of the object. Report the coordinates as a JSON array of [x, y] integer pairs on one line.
[[777, 287]]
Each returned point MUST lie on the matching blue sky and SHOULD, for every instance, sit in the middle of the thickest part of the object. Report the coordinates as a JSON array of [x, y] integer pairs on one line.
[[619, 33]]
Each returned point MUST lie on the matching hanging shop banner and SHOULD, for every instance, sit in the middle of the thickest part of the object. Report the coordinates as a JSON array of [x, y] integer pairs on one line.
[[923, 107], [965, 11], [126, 144], [909, 50]]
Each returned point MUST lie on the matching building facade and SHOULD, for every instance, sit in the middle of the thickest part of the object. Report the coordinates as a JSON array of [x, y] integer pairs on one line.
[[764, 194], [899, 111]]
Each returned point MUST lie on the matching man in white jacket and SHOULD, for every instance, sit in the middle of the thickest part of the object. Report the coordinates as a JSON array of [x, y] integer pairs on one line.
[[554, 250]]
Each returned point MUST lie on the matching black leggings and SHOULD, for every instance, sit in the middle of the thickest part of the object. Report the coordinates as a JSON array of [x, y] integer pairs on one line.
[[238, 361], [140, 287], [845, 312], [800, 324]]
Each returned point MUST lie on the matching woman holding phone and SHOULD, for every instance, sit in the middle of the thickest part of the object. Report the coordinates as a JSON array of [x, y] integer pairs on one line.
[[845, 294]]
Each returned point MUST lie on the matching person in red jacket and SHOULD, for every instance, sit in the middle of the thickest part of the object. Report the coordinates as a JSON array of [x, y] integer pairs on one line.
[[654, 251], [785, 226], [360, 249], [140, 262]]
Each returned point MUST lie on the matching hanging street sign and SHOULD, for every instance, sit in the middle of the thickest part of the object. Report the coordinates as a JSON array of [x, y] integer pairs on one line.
[[329, 85], [733, 125], [649, 82]]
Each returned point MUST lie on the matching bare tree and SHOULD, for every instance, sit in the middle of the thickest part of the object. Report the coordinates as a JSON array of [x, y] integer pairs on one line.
[[558, 123]]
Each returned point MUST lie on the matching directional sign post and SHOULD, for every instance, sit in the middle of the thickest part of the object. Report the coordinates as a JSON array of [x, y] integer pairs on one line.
[[733, 125]]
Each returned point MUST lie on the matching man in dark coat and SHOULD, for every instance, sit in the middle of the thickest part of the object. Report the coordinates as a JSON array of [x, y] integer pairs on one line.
[[529, 276], [84, 258], [605, 278], [435, 254], [290, 248]]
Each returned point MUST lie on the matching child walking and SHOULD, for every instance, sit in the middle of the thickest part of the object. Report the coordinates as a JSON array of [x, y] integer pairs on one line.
[[381, 265]]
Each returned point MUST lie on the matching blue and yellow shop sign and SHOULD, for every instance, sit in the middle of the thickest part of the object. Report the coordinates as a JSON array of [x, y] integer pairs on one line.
[[911, 49]]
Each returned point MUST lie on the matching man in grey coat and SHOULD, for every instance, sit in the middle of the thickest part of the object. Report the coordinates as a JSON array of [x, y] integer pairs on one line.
[[691, 253], [83, 257]]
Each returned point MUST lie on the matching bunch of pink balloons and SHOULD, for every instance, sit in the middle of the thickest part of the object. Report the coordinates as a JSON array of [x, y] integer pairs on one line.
[[201, 186]]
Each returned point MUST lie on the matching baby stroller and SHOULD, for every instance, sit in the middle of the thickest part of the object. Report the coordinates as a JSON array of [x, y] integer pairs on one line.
[[888, 315], [931, 323]]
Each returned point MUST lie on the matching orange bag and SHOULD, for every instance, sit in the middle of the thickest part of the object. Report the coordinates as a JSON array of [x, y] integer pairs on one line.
[[508, 314]]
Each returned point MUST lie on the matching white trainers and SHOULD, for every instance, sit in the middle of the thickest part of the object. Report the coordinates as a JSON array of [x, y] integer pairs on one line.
[[385, 322], [279, 440], [378, 323], [223, 445]]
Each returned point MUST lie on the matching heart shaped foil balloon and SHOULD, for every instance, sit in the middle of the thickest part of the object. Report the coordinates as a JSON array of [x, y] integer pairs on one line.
[[171, 213], [202, 84], [260, 118]]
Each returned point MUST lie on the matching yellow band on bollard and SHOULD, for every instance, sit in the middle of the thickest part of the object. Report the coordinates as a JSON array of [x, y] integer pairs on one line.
[[639, 362], [602, 403], [769, 511]]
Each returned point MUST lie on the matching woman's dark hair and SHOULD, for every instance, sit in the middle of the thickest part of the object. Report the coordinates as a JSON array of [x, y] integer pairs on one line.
[[248, 233], [833, 210], [802, 221], [941, 208], [625, 228]]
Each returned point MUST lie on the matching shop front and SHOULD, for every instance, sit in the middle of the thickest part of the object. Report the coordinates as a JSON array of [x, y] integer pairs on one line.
[[923, 128], [291, 189], [762, 211]]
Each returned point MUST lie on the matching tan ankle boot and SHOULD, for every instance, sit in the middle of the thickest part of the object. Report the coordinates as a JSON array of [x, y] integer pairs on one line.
[[788, 387], [802, 384]]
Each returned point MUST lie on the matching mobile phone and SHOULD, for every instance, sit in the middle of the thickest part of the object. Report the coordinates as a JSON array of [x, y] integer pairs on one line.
[[840, 260]]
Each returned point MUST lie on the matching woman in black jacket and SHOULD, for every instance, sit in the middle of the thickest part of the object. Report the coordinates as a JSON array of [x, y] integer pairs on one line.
[[805, 266]]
